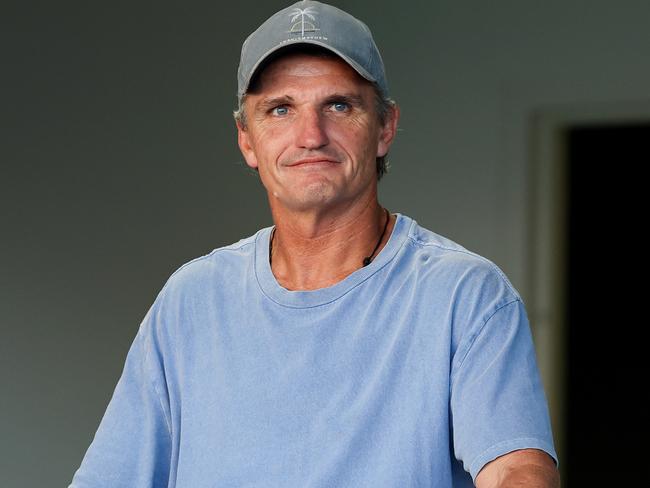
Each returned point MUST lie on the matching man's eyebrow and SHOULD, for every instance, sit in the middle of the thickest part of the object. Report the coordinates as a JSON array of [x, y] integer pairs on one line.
[[350, 98], [269, 103]]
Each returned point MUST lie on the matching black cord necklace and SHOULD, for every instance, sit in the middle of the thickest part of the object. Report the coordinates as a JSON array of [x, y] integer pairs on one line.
[[366, 261]]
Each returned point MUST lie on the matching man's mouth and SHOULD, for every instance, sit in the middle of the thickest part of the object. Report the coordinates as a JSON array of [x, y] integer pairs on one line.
[[311, 161]]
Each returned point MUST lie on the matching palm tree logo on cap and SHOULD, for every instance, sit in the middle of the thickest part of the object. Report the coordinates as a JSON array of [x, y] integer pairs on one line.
[[304, 25]]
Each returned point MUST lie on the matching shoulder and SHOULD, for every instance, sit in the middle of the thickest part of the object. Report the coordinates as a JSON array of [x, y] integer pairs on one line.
[[465, 273], [204, 273]]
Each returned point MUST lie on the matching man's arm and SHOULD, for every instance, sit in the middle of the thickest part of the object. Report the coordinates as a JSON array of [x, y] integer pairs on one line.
[[530, 468], [132, 446]]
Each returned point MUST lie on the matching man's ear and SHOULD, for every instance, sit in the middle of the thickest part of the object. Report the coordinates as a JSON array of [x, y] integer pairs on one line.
[[388, 131], [245, 146]]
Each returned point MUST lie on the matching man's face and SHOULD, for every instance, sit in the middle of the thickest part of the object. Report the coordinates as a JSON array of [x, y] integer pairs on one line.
[[314, 134]]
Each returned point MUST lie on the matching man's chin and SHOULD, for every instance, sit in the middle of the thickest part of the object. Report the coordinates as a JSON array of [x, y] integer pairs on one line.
[[313, 201]]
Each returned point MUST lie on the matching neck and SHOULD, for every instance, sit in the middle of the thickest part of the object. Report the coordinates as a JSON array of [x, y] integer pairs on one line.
[[310, 252]]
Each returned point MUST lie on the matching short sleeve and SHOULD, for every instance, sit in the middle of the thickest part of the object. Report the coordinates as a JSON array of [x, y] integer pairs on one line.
[[132, 446], [497, 399]]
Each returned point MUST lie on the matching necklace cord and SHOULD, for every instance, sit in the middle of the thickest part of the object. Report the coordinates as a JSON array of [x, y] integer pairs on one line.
[[368, 259]]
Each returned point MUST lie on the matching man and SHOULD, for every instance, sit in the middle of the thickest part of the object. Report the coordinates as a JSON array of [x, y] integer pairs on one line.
[[343, 347]]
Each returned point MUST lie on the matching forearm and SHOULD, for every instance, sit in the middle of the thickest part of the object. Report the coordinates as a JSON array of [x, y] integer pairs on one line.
[[530, 476], [529, 468]]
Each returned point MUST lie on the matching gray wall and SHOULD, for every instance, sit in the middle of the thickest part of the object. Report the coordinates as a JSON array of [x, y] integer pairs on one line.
[[119, 163]]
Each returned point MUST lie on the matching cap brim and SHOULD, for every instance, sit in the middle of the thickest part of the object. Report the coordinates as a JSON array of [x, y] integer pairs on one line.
[[362, 72]]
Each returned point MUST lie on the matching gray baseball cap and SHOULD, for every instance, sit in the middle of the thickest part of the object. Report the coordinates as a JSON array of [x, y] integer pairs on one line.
[[309, 22]]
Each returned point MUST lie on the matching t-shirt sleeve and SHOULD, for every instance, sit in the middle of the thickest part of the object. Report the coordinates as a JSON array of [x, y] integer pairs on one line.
[[132, 446], [497, 399]]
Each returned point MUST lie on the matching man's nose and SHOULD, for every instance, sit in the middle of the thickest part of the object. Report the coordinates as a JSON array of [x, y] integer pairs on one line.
[[312, 132]]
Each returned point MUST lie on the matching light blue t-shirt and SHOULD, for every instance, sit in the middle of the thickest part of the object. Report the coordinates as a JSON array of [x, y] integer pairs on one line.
[[411, 372]]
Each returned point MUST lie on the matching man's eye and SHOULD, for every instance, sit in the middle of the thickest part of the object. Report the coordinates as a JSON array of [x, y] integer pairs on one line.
[[281, 110], [340, 106]]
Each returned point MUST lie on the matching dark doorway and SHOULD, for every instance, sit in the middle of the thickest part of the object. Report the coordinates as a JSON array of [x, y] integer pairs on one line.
[[607, 355]]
